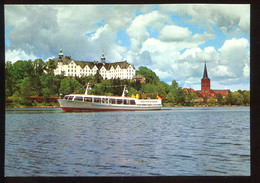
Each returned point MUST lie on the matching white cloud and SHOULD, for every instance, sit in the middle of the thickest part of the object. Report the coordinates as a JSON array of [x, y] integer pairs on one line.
[[202, 38], [174, 33], [222, 71], [162, 74], [246, 71], [99, 31], [225, 17], [176, 53], [235, 54], [14, 55], [137, 30]]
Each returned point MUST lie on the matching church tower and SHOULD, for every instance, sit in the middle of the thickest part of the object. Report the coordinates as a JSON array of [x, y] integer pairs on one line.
[[205, 83]]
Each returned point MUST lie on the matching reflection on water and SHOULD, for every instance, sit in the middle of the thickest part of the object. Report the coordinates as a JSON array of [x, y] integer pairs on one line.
[[173, 141]]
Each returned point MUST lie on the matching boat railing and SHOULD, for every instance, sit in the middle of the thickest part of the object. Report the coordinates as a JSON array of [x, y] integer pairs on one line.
[[113, 100]]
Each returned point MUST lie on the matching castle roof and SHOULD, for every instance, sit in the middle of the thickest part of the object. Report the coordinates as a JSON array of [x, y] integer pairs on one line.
[[66, 60]]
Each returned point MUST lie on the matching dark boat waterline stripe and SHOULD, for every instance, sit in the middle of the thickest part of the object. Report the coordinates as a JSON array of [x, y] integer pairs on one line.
[[68, 109]]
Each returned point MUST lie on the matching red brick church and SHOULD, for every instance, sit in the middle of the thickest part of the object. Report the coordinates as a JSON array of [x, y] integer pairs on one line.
[[205, 91]]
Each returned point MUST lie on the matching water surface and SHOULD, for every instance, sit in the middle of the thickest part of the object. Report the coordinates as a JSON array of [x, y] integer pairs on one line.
[[212, 141]]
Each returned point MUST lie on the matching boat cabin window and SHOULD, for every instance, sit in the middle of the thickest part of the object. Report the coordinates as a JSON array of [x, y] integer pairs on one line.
[[112, 101], [119, 101], [132, 102], [126, 102], [97, 100], [71, 97], [105, 100], [78, 98], [88, 99], [66, 97]]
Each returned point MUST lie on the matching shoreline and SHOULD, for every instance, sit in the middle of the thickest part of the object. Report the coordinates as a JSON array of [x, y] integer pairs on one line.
[[54, 106], [20, 107]]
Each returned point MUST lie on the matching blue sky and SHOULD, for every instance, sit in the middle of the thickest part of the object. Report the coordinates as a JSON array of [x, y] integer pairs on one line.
[[173, 40]]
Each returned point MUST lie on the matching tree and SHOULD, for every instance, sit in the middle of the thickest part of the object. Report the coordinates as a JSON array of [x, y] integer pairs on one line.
[[189, 96], [219, 98], [165, 86], [246, 97], [174, 84], [177, 93], [117, 86], [150, 76], [98, 78], [170, 98], [18, 72], [180, 96], [75, 86], [8, 79], [65, 88], [212, 101], [51, 65], [97, 90], [49, 85], [237, 98], [39, 66], [229, 98], [27, 90], [160, 90], [149, 90]]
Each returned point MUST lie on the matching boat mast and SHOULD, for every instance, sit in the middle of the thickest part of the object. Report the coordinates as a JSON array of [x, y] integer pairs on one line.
[[86, 92], [123, 94]]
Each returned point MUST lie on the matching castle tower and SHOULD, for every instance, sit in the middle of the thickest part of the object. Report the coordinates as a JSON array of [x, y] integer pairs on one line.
[[205, 83], [60, 54], [103, 58]]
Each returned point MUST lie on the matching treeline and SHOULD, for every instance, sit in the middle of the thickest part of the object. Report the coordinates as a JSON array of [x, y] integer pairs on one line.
[[233, 98], [36, 78]]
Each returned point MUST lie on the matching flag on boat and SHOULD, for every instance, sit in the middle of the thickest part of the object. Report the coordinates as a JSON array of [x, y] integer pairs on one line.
[[159, 97]]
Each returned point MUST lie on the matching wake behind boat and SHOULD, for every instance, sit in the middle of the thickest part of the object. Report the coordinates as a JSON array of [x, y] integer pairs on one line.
[[85, 102]]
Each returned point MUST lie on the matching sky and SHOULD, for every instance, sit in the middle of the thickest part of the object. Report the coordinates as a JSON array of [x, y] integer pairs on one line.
[[174, 40]]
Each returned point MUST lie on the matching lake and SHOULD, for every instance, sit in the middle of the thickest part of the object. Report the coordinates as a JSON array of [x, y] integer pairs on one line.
[[177, 141]]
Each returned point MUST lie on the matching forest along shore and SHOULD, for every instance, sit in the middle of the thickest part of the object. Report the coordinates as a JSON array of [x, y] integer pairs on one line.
[[25, 80]]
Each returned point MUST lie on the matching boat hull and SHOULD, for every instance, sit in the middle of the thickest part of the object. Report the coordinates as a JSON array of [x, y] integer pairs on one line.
[[69, 106]]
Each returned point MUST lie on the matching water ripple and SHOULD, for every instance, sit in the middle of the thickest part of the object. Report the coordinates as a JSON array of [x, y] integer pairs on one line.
[[174, 141]]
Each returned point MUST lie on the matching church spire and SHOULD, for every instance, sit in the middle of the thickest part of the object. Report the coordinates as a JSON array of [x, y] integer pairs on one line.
[[205, 74]]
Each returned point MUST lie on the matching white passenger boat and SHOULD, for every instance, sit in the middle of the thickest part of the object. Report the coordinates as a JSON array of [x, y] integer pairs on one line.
[[85, 102]]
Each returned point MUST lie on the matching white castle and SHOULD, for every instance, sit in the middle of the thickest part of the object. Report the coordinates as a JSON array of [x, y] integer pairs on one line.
[[70, 67]]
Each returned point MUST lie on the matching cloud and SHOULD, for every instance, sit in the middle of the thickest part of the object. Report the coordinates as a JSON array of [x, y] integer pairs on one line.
[[14, 55], [174, 33], [235, 54], [162, 74], [96, 35], [224, 65], [225, 17], [137, 30], [175, 51], [202, 38]]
